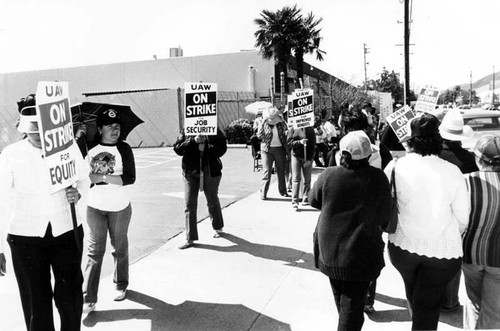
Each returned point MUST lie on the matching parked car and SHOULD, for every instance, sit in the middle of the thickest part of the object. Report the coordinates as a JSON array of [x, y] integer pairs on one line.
[[482, 122]]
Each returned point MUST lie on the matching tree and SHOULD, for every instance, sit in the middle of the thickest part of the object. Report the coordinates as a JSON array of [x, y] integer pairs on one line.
[[389, 82], [276, 35], [307, 42], [285, 31]]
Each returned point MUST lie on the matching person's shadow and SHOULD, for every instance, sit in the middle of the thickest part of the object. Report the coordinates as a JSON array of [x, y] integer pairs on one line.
[[290, 256], [453, 318], [189, 315]]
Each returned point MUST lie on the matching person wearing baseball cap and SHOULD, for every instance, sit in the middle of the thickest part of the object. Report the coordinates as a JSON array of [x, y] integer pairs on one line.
[[481, 262], [354, 199], [434, 206], [109, 208]]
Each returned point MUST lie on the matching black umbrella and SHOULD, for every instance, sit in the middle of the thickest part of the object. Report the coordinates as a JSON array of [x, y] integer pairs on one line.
[[86, 113]]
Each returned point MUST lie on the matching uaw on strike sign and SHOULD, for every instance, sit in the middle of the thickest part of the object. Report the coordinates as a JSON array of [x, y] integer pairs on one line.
[[200, 116], [301, 108], [427, 100], [399, 122], [56, 130]]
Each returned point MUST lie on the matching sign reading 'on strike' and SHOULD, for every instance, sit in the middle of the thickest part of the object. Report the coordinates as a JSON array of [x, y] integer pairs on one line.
[[56, 130], [200, 115], [301, 112], [399, 122], [427, 100]]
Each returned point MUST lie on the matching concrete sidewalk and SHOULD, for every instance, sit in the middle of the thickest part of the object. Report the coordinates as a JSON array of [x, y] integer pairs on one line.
[[259, 276]]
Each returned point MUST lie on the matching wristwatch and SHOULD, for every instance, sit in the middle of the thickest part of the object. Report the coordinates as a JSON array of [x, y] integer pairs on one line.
[[104, 178]]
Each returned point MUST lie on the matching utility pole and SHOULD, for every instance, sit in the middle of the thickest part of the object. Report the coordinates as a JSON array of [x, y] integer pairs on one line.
[[407, 51], [365, 51], [493, 95], [470, 91]]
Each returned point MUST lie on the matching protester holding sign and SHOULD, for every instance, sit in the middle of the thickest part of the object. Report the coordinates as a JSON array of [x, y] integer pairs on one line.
[[434, 208], [272, 132], [40, 229], [202, 170], [109, 209], [302, 143]]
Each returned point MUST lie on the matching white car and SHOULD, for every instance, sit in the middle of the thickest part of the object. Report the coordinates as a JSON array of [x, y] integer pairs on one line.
[[482, 122]]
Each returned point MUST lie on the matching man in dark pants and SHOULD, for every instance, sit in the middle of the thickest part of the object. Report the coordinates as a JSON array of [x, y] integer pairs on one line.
[[40, 229]]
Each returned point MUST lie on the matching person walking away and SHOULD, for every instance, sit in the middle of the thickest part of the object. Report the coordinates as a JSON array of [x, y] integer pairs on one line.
[[302, 143], [481, 263], [109, 209], [354, 199], [202, 170], [354, 121], [272, 133], [434, 206], [453, 131], [321, 144], [39, 228]]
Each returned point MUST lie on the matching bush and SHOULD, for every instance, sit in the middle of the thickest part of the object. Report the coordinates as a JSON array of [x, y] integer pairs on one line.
[[239, 131]]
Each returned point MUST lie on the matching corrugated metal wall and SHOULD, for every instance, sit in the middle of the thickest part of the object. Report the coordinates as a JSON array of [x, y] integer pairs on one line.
[[159, 111]]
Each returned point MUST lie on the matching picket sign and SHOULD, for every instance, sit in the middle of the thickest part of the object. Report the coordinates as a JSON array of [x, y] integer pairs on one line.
[[56, 131], [200, 115]]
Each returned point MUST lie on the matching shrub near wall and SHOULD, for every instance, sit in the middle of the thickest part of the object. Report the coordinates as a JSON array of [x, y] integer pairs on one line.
[[239, 131]]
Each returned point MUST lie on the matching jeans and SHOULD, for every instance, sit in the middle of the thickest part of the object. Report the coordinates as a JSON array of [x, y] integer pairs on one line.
[[100, 223], [278, 156], [305, 167], [425, 280], [211, 190], [482, 310], [350, 301], [33, 258]]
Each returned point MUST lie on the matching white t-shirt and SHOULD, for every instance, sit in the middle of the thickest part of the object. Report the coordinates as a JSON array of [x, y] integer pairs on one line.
[[107, 160]]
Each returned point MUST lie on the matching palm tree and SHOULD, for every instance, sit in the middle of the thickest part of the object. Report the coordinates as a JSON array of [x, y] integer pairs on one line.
[[276, 35], [307, 42]]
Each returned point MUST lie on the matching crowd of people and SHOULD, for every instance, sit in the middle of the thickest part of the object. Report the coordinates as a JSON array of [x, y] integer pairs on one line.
[[448, 200], [448, 224]]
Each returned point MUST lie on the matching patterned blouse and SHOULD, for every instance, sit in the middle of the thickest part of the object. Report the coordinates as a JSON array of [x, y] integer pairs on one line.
[[481, 242]]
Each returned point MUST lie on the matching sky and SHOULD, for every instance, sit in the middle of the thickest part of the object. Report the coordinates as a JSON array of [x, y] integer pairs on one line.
[[451, 38]]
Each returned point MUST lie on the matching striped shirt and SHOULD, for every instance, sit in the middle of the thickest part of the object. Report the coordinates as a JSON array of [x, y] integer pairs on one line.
[[481, 241]]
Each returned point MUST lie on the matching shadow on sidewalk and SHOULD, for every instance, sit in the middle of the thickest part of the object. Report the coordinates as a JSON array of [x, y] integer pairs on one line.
[[453, 318], [189, 315], [292, 257]]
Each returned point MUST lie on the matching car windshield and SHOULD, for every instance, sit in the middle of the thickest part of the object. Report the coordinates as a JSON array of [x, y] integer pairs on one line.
[[482, 123]]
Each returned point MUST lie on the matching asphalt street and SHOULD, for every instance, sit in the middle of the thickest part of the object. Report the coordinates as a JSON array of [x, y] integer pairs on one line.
[[158, 197]]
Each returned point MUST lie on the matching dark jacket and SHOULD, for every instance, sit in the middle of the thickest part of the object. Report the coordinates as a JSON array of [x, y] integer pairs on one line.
[[453, 152], [354, 205], [294, 142], [215, 147]]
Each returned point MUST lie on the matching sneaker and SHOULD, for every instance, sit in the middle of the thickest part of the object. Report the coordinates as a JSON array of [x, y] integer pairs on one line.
[[88, 307], [120, 295], [305, 202], [187, 244], [218, 233], [295, 205], [369, 309]]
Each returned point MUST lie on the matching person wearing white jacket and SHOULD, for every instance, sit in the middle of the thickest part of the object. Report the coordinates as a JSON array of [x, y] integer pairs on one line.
[[434, 208]]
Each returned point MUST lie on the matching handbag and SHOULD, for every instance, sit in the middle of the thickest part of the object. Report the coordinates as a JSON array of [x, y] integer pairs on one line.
[[392, 224]]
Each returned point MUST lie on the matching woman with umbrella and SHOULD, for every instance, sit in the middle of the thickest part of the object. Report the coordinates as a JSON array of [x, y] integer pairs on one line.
[[109, 209]]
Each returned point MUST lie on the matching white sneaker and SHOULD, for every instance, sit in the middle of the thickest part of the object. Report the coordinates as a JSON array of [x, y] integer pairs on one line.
[[120, 295], [88, 307], [295, 205]]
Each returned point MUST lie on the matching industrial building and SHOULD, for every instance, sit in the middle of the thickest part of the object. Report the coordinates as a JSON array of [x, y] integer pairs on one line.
[[151, 88]]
